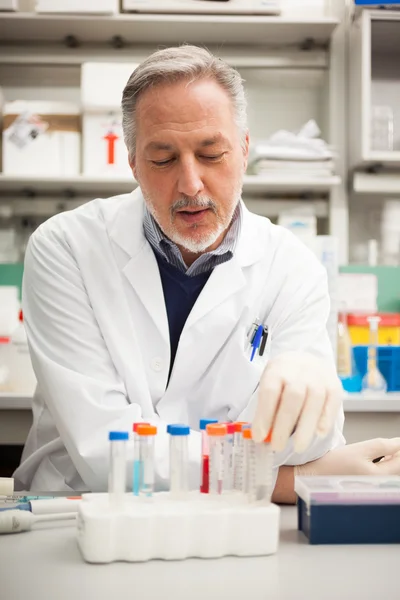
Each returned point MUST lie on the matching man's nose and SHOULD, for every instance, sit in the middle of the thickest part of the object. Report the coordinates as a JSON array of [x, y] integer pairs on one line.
[[190, 181]]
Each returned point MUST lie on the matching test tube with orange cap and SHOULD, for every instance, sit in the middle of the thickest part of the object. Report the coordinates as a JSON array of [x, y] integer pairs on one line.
[[259, 463], [146, 436], [238, 450], [136, 458], [216, 435]]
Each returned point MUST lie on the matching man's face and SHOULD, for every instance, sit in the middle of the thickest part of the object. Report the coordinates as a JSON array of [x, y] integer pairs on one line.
[[189, 161]]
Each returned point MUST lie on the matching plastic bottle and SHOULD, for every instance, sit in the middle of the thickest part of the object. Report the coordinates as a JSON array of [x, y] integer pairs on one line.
[[22, 376]]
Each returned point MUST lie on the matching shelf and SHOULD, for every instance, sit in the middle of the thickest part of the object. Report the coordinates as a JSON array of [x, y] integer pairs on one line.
[[14, 401], [379, 183], [241, 57], [355, 403], [166, 29], [81, 184], [385, 403]]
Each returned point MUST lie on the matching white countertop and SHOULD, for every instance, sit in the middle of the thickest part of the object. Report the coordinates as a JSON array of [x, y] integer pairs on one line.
[[355, 403], [46, 565]]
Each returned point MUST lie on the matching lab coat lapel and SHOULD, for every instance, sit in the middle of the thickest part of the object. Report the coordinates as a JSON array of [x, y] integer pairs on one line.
[[228, 279], [142, 269], [143, 274]]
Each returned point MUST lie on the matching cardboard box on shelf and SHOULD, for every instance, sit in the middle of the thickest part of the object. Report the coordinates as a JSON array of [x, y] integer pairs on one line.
[[41, 138], [78, 6], [104, 150], [102, 85]]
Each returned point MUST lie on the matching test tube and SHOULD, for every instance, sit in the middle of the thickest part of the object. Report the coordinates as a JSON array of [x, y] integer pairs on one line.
[[136, 459], [146, 435], [259, 462], [228, 457], [178, 460], [216, 434], [117, 473], [238, 450], [205, 455]]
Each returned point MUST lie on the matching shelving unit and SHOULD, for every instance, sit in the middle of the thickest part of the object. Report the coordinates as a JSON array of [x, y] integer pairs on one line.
[[292, 65], [81, 184], [380, 183], [354, 403], [167, 29]]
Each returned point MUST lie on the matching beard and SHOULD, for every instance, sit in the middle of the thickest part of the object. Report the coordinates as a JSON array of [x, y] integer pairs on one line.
[[195, 240]]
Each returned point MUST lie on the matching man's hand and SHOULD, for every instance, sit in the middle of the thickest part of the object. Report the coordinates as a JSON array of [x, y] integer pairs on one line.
[[357, 459], [297, 391]]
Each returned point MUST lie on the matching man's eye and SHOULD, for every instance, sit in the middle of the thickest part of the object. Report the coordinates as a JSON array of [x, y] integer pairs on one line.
[[161, 163], [213, 158]]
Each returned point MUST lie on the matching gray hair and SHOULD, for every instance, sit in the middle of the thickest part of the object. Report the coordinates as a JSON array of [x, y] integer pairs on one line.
[[176, 64]]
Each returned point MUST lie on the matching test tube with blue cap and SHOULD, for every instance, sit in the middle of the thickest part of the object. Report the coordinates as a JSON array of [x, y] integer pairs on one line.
[[205, 455], [179, 460], [117, 471]]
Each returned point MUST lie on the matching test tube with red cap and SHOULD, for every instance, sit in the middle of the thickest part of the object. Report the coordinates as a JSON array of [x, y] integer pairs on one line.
[[136, 459], [205, 455], [146, 435], [259, 463], [216, 435]]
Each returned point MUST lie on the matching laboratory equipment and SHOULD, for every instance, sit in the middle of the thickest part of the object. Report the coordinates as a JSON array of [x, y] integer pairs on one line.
[[117, 473], [15, 521], [388, 364], [227, 484], [216, 435], [48, 506], [345, 359], [206, 526], [238, 450], [146, 435], [349, 509], [259, 463], [373, 381], [205, 455], [136, 458], [178, 460]]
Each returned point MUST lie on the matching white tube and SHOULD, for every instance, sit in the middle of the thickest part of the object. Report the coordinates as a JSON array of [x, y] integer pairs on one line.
[[117, 472]]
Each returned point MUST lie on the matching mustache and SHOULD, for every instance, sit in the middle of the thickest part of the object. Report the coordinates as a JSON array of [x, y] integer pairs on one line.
[[197, 202]]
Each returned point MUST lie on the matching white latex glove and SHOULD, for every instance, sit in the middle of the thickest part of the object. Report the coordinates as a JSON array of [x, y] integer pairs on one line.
[[356, 459], [297, 390]]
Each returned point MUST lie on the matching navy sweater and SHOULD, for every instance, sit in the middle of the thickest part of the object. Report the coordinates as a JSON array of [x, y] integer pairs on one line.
[[180, 294]]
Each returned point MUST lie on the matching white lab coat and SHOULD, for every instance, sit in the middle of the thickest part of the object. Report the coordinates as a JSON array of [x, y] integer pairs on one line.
[[98, 332]]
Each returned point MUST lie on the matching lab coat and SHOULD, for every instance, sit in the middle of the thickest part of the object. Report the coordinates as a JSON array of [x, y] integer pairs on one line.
[[97, 328]]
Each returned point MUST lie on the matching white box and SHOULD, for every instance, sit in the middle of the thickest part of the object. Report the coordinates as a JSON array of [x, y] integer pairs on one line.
[[8, 5], [41, 138], [104, 150], [262, 7], [102, 85], [203, 526], [78, 6]]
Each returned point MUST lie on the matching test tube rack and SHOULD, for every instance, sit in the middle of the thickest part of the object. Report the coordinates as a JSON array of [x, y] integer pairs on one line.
[[162, 527]]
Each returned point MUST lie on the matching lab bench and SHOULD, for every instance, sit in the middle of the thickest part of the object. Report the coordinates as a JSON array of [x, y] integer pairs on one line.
[[45, 564], [366, 418]]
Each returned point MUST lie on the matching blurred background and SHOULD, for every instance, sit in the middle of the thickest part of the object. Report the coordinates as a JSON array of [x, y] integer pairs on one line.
[[323, 82]]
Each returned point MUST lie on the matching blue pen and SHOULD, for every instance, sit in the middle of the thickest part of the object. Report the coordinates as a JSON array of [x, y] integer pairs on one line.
[[257, 341]]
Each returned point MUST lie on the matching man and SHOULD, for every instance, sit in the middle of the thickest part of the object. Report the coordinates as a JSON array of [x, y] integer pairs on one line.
[[143, 306]]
